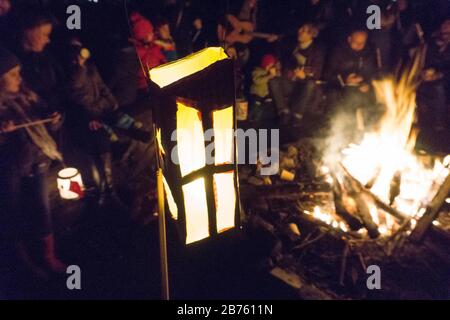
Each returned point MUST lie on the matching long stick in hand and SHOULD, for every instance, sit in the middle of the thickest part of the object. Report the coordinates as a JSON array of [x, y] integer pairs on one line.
[[33, 123]]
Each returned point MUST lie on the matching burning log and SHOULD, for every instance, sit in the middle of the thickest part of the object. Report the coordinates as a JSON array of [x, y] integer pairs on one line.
[[290, 231], [378, 202], [431, 212], [394, 188], [336, 232], [364, 213], [383, 206], [340, 207], [355, 191], [304, 290]]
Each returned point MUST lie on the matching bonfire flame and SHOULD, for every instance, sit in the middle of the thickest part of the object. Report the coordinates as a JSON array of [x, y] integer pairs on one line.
[[384, 161]]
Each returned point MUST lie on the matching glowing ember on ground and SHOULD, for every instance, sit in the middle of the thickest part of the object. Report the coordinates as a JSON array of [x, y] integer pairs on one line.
[[327, 218]]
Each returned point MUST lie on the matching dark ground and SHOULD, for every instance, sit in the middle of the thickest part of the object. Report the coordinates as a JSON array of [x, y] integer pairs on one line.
[[120, 260]]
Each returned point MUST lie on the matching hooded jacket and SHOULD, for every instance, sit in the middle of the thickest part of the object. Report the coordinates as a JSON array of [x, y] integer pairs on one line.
[[150, 54], [87, 90]]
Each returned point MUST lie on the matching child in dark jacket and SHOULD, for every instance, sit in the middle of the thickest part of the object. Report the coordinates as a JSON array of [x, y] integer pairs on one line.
[[95, 113]]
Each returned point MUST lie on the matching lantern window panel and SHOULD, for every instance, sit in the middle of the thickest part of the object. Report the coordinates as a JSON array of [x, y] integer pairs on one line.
[[190, 139], [196, 208], [173, 208], [225, 197], [223, 136]]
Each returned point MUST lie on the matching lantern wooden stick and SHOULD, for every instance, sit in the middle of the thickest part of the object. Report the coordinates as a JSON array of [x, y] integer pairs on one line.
[[162, 237]]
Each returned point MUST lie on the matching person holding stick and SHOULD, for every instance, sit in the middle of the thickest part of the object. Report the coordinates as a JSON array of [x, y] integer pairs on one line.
[[26, 150], [96, 118]]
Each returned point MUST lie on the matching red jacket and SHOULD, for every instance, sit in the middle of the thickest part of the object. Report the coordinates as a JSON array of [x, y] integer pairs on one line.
[[150, 56]]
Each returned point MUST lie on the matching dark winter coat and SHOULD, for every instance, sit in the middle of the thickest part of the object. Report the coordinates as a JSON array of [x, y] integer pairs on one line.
[[344, 61], [312, 58], [44, 75], [122, 77], [87, 91], [17, 150]]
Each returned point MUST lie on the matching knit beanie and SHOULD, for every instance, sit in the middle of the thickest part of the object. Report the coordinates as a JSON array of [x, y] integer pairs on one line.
[[268, 60], [7, 61], [141, 27]]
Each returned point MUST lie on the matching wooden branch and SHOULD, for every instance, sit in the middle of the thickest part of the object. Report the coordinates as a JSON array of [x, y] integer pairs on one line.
[[364, 213], [355, 191], [294, 280], [352, 222], [378, 202], [336, 232], [30, 124], [431, 212], [387, 208], [33, 123]]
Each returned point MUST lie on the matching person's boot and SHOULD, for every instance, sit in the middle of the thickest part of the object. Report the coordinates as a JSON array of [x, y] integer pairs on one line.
[[49, 255], [23, 255]]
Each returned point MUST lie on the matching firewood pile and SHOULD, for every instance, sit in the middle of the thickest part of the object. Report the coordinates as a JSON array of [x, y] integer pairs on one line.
[[318, 234]]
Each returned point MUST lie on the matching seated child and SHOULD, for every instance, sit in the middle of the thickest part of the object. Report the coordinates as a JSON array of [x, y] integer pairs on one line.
[[261, 101]]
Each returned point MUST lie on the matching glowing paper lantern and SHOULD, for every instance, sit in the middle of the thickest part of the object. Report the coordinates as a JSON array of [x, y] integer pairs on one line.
[[70, 184], [195, 95]]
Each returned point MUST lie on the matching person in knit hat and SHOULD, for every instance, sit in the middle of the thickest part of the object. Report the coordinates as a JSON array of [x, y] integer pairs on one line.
[[149, 53], [262, 74], [8, 61], [261, 105], [25, 157]]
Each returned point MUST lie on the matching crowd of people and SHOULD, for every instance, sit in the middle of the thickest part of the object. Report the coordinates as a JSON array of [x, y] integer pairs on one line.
[[87, 87]]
